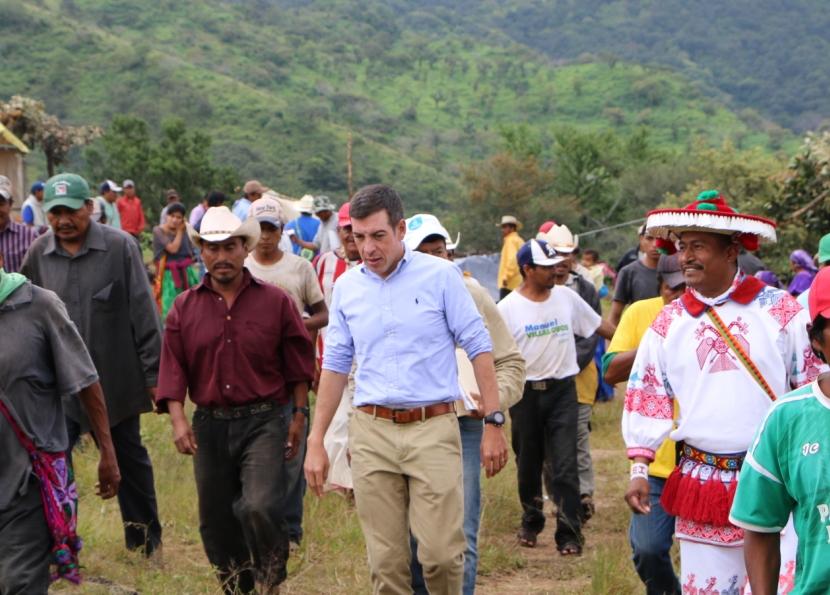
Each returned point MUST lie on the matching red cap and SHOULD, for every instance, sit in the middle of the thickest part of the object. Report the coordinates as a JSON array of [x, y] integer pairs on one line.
[[546, 226], [343, 218], [819, 296]]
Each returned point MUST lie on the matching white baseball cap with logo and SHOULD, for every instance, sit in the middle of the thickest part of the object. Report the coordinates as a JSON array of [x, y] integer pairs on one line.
[[266, 210], [420, 227]]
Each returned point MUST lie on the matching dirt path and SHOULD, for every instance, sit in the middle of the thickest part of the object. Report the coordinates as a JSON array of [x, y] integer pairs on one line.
[[605, 565]]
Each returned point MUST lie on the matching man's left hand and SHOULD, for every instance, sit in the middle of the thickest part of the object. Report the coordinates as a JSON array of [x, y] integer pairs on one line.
[[109, 477], [296, 433], [493, 450]]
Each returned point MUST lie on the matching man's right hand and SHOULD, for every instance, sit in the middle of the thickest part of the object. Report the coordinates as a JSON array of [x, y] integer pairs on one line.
[[637, 496], [316, 466], [183, 436]]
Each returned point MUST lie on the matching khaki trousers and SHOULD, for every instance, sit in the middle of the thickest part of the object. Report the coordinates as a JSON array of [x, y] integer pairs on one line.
[[409, 477]]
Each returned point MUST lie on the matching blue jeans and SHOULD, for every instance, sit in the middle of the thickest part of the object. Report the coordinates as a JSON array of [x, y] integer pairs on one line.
[[471, 431], [651, 538]]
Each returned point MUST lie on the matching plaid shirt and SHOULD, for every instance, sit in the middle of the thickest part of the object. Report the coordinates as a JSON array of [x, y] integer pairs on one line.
[[14, 242]]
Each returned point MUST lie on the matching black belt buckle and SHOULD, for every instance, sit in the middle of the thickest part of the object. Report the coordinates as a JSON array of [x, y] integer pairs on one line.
[[241, 411]]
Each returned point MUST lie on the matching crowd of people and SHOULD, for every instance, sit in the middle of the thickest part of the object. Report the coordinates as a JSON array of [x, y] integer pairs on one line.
[[415, 369]]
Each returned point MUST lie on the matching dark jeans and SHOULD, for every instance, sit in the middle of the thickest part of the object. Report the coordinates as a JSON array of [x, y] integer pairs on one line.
[[25, 545], [241, 484], [137, 493], [295, 492], [544, 433], [651, 538]]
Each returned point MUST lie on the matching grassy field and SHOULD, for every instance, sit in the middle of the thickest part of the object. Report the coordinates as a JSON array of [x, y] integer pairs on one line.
[[332, 557]]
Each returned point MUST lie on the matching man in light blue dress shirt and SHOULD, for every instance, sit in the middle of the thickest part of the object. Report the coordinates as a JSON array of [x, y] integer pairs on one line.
[[401, 314]]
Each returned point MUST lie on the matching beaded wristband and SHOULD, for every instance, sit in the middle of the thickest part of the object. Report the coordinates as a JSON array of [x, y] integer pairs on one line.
[[639, 470]]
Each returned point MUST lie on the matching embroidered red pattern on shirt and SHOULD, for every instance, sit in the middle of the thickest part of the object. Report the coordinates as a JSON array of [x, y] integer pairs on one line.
[[649, 400], [811, 368], [784, 309], [666, 316], [713, 350]]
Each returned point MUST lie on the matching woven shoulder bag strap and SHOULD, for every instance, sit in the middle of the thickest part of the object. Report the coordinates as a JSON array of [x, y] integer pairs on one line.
[[21, 436], [739, 351]]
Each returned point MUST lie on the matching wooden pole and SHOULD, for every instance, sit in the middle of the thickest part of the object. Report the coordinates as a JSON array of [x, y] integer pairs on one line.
[[349, 165]]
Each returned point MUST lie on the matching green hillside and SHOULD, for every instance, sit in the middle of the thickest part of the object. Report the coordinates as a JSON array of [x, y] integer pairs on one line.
[[279, 85], [761, 55]]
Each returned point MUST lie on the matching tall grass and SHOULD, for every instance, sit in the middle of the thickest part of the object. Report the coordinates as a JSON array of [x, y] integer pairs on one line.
[[332, 558]]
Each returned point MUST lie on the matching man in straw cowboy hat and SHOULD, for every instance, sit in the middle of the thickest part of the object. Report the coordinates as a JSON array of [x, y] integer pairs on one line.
[[509, 276], [304, 228], [724, 351], [238, 347]]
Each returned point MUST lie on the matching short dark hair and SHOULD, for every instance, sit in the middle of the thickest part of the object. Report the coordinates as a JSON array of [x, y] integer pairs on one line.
[[215, 198], [815, 332], [592, 253], [175, 207], [377, 197], [433, 237]]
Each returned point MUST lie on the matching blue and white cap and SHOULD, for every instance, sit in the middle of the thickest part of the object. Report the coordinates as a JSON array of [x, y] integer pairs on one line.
[[538, 252]]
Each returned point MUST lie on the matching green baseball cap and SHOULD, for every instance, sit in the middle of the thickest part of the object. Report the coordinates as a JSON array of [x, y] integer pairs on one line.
[[65, 190], [824, 249]]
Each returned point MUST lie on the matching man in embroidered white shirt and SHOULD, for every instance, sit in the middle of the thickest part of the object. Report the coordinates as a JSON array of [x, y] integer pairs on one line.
[[723, 350]]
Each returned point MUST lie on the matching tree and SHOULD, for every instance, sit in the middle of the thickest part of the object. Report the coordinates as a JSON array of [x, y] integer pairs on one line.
[[586, 167], [28, 120], [504, 184], [180, 159]]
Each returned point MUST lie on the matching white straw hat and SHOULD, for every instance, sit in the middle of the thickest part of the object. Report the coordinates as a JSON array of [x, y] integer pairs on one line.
[[219, 224]]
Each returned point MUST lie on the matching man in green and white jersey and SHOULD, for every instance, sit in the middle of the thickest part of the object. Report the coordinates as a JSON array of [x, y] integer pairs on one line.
[[787, 470]]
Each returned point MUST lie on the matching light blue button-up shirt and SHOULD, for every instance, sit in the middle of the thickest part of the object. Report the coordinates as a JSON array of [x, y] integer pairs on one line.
[[403, 331]]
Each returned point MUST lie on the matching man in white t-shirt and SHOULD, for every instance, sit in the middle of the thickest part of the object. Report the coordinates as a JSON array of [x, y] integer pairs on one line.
[[543, 319], [294, 275]]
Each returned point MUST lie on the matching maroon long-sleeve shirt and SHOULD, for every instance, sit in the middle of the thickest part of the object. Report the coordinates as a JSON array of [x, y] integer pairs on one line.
[[254, 351]]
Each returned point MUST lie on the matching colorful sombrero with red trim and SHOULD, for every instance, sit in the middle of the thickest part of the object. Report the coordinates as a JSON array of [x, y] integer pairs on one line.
[[711, 213]]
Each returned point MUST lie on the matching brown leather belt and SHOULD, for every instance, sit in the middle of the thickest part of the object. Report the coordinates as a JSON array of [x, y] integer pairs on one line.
[[407, 416]]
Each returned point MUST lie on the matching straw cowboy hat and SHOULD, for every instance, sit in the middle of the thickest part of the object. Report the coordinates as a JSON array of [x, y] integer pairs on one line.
[[560, 238], [306, 204], [509, 220], [219, 224]]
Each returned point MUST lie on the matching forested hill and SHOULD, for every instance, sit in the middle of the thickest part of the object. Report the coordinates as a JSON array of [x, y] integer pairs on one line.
[[423, 86], [764, 55]]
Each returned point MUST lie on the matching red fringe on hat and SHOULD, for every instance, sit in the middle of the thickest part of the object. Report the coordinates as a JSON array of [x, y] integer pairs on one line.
[[702, 502]]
